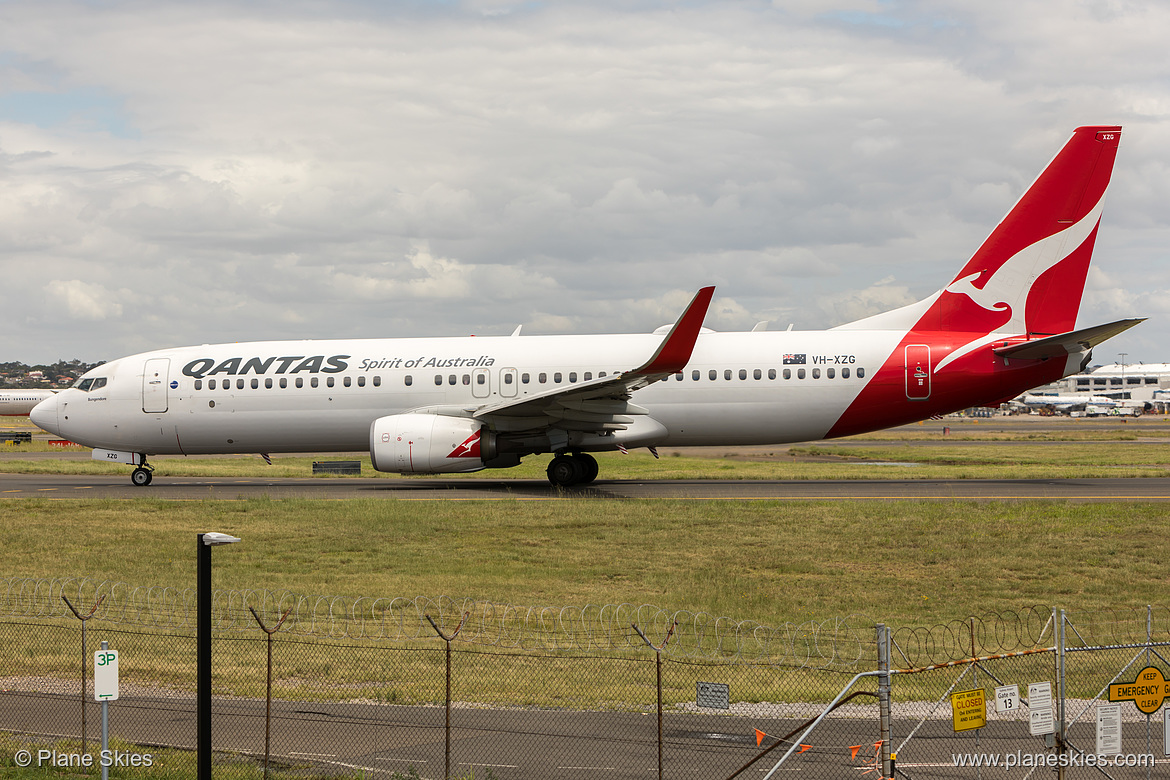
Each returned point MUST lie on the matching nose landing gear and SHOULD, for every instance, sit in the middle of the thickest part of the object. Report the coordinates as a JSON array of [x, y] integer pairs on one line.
[[143, 475]]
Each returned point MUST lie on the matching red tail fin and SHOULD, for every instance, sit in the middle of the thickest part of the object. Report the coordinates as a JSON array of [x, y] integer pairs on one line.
[[1030, 272]]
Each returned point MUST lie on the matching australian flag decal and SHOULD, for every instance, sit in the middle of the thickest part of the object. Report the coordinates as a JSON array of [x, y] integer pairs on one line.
[[794, 359]]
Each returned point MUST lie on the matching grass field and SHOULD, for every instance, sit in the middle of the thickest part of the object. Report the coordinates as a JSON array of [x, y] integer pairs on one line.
[[904, 562], [908, 562]]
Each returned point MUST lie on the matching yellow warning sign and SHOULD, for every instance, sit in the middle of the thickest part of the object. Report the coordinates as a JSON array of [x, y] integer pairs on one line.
[[969, 709], [1147, 692]]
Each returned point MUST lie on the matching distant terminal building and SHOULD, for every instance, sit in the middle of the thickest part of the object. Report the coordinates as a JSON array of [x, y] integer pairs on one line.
[[1149, 382]]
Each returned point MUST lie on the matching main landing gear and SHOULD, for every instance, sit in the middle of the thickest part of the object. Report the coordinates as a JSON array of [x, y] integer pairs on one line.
[[577, 469], [143, 475]]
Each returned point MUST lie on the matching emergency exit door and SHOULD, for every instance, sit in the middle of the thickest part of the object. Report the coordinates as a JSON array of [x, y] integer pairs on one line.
[[918, 372]]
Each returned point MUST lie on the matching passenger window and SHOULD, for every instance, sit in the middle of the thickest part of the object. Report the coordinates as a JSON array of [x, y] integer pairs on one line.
[[239, 384], [771, 373], [283, 382], [329, 382], [438, 379], [800, 373], [695, 375], [712, 375], [408, 380], [198, 384], [347, 381], [313, 382], [524, 378], [480, 379], [816, 373], [361, 381], [861, 373], [557, 378], [467, 379], [601, 374], [542, 377], [788, 373], [377, 381], [829, 373], [678, 377], [268, 383], [757, 374], [210, 384], [452, 379], [507, 379], [727, 374], [300, 382], [743, 373], [255, 384], [588, 375], [572, 376], [844, 373]]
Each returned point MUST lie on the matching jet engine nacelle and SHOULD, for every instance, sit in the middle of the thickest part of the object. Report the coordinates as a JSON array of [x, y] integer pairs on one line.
[[429, 444]]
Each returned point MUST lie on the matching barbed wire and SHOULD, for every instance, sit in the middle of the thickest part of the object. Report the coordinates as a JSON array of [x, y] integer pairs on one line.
[[839, 643]]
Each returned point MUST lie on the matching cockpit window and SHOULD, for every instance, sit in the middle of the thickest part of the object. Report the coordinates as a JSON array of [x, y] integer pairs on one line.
[[93, 383]]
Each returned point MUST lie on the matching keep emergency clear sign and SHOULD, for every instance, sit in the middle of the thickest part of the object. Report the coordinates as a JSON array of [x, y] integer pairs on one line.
[[105, 675]]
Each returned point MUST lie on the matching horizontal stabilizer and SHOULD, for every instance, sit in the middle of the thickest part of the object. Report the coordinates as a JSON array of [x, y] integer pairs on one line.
[[1067, 343]]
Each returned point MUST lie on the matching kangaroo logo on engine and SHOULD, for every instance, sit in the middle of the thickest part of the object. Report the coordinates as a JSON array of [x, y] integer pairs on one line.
[[468, 449]]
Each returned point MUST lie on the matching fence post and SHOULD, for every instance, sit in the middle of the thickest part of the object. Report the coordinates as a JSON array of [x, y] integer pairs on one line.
[[1061, 748], [883, 648], [658, 670], [447, 639], [84, 665], [268, 694]]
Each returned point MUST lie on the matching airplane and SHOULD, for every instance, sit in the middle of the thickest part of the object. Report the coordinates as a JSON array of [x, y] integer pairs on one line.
[[18, 403], [1006, 323], [1066, 403]]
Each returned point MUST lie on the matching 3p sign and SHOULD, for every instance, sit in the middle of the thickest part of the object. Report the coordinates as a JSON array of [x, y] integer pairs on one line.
[[105, 675], [1147, 692]]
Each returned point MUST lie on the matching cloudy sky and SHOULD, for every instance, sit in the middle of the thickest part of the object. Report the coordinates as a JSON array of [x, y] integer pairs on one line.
[[181, 173]]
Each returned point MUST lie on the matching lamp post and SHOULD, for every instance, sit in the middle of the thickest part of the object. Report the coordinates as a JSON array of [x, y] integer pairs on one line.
[[204, 543]]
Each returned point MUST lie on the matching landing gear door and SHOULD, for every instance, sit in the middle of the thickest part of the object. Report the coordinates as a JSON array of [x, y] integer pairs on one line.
[[918, 372], [154, 385]]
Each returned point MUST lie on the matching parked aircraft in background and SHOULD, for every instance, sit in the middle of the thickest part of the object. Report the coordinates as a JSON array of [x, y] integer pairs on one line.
[[21, 402], [1004, 324], [1090, 404]]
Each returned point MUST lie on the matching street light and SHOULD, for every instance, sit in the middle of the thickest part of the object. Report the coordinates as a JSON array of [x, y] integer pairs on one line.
[[204, 542]]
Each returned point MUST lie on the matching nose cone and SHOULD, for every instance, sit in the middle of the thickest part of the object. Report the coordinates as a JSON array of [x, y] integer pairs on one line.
[[44, 415]]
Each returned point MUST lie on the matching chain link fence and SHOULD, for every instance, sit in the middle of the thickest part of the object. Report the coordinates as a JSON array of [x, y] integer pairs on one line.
[[372, 688]]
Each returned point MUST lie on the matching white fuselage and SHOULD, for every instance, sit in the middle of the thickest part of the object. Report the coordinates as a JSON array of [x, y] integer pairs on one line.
[[324, 395]]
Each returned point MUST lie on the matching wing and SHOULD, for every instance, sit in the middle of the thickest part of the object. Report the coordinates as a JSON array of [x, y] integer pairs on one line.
[[603, 404]]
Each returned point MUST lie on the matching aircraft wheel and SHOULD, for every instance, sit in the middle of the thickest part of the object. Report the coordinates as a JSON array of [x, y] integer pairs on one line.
[[564, 471], [589, 467], [141, 477]]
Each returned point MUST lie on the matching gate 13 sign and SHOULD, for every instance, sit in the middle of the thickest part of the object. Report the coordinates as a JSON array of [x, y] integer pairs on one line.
[[1146, 692]]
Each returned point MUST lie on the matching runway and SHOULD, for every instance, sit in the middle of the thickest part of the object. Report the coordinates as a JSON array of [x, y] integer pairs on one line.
[[55, 486]]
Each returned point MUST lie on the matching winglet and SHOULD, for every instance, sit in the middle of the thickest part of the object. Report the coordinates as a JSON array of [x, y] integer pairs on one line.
[[675, 350]]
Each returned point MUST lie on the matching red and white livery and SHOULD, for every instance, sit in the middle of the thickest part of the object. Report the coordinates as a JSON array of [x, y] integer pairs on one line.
[[1006, 323]]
